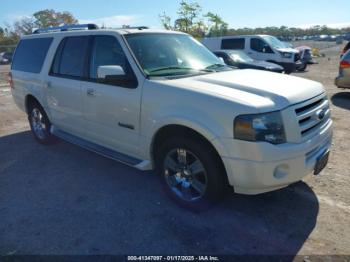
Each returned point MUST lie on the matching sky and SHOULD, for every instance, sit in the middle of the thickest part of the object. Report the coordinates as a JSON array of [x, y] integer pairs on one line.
[[238, 13]]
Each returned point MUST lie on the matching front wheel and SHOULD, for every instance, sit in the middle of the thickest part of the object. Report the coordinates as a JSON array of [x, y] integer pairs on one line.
[[191, 173]]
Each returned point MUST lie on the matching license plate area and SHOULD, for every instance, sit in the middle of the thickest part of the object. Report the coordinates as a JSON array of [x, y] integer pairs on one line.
[[321, 163]]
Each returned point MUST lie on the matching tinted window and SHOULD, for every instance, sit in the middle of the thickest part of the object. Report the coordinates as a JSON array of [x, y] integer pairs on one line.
[[233, 43], [71, 56], [106, 50], [30, 54], [259, 45]]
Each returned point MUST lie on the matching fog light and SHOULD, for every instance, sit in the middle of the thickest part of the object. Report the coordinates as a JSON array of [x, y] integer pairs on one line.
[[281, 171]]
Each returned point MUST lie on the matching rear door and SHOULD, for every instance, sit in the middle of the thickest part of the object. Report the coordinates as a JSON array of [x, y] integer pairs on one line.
[[112, 109], [63, 85]]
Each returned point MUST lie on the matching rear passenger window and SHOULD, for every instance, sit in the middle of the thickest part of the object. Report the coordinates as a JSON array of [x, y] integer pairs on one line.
[[234, 44], [70, 57], [30, 54]]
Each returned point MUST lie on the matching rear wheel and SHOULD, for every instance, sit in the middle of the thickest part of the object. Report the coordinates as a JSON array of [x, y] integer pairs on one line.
[[39, 124], [190, 173]]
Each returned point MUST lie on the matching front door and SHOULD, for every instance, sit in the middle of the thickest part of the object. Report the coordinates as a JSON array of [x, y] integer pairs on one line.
[[259, 49], [112, 108]]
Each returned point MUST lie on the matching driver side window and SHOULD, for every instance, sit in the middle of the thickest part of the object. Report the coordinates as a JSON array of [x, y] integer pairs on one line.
[[260, 46], [106, 51]]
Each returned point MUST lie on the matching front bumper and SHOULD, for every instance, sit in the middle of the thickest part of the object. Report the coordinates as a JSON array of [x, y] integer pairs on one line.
[[342, 82], [255, 168], [288, 67]]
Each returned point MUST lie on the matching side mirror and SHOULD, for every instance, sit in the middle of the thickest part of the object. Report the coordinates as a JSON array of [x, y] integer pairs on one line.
[[109, 71]]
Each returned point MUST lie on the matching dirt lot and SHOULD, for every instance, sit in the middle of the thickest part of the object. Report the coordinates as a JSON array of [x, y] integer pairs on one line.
[[63, 199]]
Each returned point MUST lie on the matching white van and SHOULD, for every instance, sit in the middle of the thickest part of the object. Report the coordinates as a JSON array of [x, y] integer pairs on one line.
[[260, 47]]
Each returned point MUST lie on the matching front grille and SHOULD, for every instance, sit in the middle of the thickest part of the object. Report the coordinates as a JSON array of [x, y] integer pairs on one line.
[[312, 116]]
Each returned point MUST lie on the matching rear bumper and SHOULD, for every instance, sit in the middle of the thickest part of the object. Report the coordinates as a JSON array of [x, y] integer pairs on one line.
[[267, 167]]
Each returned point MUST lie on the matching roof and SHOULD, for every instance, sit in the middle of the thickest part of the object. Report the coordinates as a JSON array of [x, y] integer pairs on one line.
[[235, 36], [121, 31]]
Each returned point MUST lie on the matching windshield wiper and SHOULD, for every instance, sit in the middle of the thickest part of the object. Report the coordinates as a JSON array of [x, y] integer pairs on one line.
[[214, 66], [171, 68]]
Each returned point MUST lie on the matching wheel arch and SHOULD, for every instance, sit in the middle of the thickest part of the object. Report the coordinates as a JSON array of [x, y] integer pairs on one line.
[[180, 130], [30, 99]]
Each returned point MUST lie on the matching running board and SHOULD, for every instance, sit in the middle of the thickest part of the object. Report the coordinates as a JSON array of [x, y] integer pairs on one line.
[[101, 150]]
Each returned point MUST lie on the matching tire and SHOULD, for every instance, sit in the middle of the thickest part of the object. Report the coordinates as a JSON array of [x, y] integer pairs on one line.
[[39, 124], [196, 185], [303, 68]]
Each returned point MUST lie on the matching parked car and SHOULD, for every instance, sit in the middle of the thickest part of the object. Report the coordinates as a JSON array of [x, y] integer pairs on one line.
[[241, 60], [305, 54], [8, 56], [155, 99], [5, 58], [345, 49], [259, 47], [343, 78]]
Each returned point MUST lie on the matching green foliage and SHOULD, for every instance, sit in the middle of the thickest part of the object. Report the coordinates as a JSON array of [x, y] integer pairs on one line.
[[49, 17], [190, 20], [284, 31], [217, 27], [10, 35], [166, 21]]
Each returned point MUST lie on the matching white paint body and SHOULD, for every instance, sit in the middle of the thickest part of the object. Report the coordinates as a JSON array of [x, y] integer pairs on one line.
[[207, 104]]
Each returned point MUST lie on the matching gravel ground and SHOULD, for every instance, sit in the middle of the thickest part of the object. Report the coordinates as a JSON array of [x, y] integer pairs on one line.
[[62, 199]]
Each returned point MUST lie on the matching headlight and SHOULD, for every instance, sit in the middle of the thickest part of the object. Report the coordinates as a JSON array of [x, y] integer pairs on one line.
[[260, 127], [286, 55]]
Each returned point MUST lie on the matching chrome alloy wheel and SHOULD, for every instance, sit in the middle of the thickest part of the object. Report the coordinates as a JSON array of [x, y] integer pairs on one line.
[[38, 123], [185, 174]]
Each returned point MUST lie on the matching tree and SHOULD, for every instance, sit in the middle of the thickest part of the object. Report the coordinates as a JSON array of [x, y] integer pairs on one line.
[[166, 21], [188, 13], [42, 19], [217, 25], [24, 26], [49, 17]]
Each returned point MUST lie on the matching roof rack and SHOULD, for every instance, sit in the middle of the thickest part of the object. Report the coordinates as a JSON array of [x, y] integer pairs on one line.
[[66, 28], [135, 27]]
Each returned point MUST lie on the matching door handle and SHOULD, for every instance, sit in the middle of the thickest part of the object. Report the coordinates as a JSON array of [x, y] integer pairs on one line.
[[90, 92], [48, 85]]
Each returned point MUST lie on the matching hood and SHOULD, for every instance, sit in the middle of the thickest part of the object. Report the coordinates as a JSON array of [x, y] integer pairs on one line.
[[258, 89], [287, 50], [269, 65]]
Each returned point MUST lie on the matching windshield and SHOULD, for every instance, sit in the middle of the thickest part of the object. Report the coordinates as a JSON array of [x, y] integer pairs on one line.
[[163, 54], [238, 56], [274, 42]]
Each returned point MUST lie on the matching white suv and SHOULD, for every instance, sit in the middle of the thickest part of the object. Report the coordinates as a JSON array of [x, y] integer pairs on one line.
[[160, 99]]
